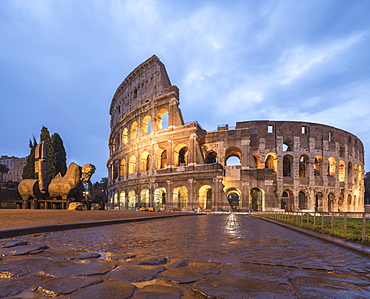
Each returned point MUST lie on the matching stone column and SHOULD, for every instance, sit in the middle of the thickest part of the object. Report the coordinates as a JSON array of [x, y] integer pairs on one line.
[[169, 199]]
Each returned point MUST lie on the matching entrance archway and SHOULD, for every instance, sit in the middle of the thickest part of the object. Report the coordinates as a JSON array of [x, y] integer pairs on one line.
[[257, 199], [286, 201], [160, 198], [205, 197]]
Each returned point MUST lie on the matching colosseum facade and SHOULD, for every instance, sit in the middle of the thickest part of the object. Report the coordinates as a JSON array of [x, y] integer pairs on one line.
[[159, 161]]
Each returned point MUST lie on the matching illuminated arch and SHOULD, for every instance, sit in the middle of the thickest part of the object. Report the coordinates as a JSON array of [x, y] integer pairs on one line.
[[181, 153], [234, 196], [331, 166], [134, 131], [144, 198], [318, 165], [180, 197], [257, 199], [122, 200], [271, 162], [123, 167], [131, 200], [233, 152], [132, 165], [161, 158], [162, 119], [146, 125], [125, 136], [144, 161], [160, 198], [342, 171], [205, 197]]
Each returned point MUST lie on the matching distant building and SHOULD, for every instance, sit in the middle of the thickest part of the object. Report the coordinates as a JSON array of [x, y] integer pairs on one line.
[[157, 160], [15, 166]]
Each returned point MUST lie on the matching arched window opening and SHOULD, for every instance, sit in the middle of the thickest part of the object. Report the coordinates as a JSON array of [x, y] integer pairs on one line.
[[162, 119], [183, 154], [132, 165], [342, 171], [205, 197], [134, 130], [349, 172], [233, 197], [341, 202], [331, 200], [144, 198], [124, 136], [303, 162], [319, 202], [147, 125], [180, 197], [287, 165], [287, 146], [211, 157], [122, 200], [271, 162], [123, 168], [164, 159], [331, 166], [302, 200], [160, 198], [131, 204], [318, 165], [349, 203], [256, 159], [257, 199], [233, 161], [286, 201], [144, 162], [116, 169]]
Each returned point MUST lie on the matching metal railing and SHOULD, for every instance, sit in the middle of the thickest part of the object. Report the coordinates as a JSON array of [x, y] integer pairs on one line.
[[354, 226]]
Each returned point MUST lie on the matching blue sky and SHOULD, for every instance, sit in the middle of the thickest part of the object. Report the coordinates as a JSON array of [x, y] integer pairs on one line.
[[62, 60]]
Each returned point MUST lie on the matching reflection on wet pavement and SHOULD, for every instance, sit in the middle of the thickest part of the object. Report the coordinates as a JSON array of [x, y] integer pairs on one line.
[[219, 256]]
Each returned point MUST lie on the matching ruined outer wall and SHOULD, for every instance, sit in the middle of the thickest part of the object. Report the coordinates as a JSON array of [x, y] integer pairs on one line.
[[156, 160]]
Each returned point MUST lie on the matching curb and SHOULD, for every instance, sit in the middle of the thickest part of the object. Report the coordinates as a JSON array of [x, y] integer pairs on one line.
[[360, 248], [19, 231]]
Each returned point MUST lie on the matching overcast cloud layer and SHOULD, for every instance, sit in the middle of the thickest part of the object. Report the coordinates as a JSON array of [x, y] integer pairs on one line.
[[62, 60]]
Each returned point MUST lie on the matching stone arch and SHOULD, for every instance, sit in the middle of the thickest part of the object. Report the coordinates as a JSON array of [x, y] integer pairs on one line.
[[342, 171], [123, 167], [349, 203], [180, 197], [288, 145], [144, 162], [122, 200], [257, 160], [131, 200], [160, 198], [349, 172], [302, 200], [146, 125], [271, 162], [115, 199], [287, 201], [318, 165], [303, 166], [287, 165], [331, 202], [132, 165], [134, 130], [257, 199], [319, 205], [331, 166], [205, 197], [144, 198], [124, 136], [161, 158], [341, 202], [233, 152], [181, 154], [211, 157], [162, 119], [234, 197]]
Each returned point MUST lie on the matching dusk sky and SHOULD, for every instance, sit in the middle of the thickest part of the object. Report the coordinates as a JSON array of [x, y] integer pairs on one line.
[[62, 60]]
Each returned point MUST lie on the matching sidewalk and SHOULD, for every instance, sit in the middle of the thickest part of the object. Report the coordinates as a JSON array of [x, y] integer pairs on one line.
[[20, 222]]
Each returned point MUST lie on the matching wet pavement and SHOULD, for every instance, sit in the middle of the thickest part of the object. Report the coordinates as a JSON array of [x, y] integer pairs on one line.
[[200, 256]]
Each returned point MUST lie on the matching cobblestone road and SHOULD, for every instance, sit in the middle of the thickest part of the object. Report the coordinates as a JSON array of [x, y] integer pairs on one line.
[[219, 256]]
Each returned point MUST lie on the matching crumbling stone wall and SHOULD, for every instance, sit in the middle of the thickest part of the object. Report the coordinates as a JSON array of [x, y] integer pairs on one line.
[[156, 160]]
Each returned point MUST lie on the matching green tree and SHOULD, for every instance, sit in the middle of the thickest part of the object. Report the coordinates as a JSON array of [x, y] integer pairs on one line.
[[3, 169], [29, 168], [60, 154], [45, 136]]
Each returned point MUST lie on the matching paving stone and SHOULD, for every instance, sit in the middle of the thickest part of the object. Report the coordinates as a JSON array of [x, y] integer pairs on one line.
[[9, 288], [154, 261], [64, 268], [182, 275], [238, 287], [64, 285], [119, 257], [158, 292], [12, 244], [107, 289], [13, 267], [134, 273], [22, 250]]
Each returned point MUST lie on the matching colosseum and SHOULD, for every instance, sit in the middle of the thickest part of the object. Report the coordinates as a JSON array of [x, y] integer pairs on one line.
[[158, 161]]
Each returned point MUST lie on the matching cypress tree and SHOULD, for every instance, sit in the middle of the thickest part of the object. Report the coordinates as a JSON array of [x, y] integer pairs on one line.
[[29, 168], [45, 136], [59, 154]]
